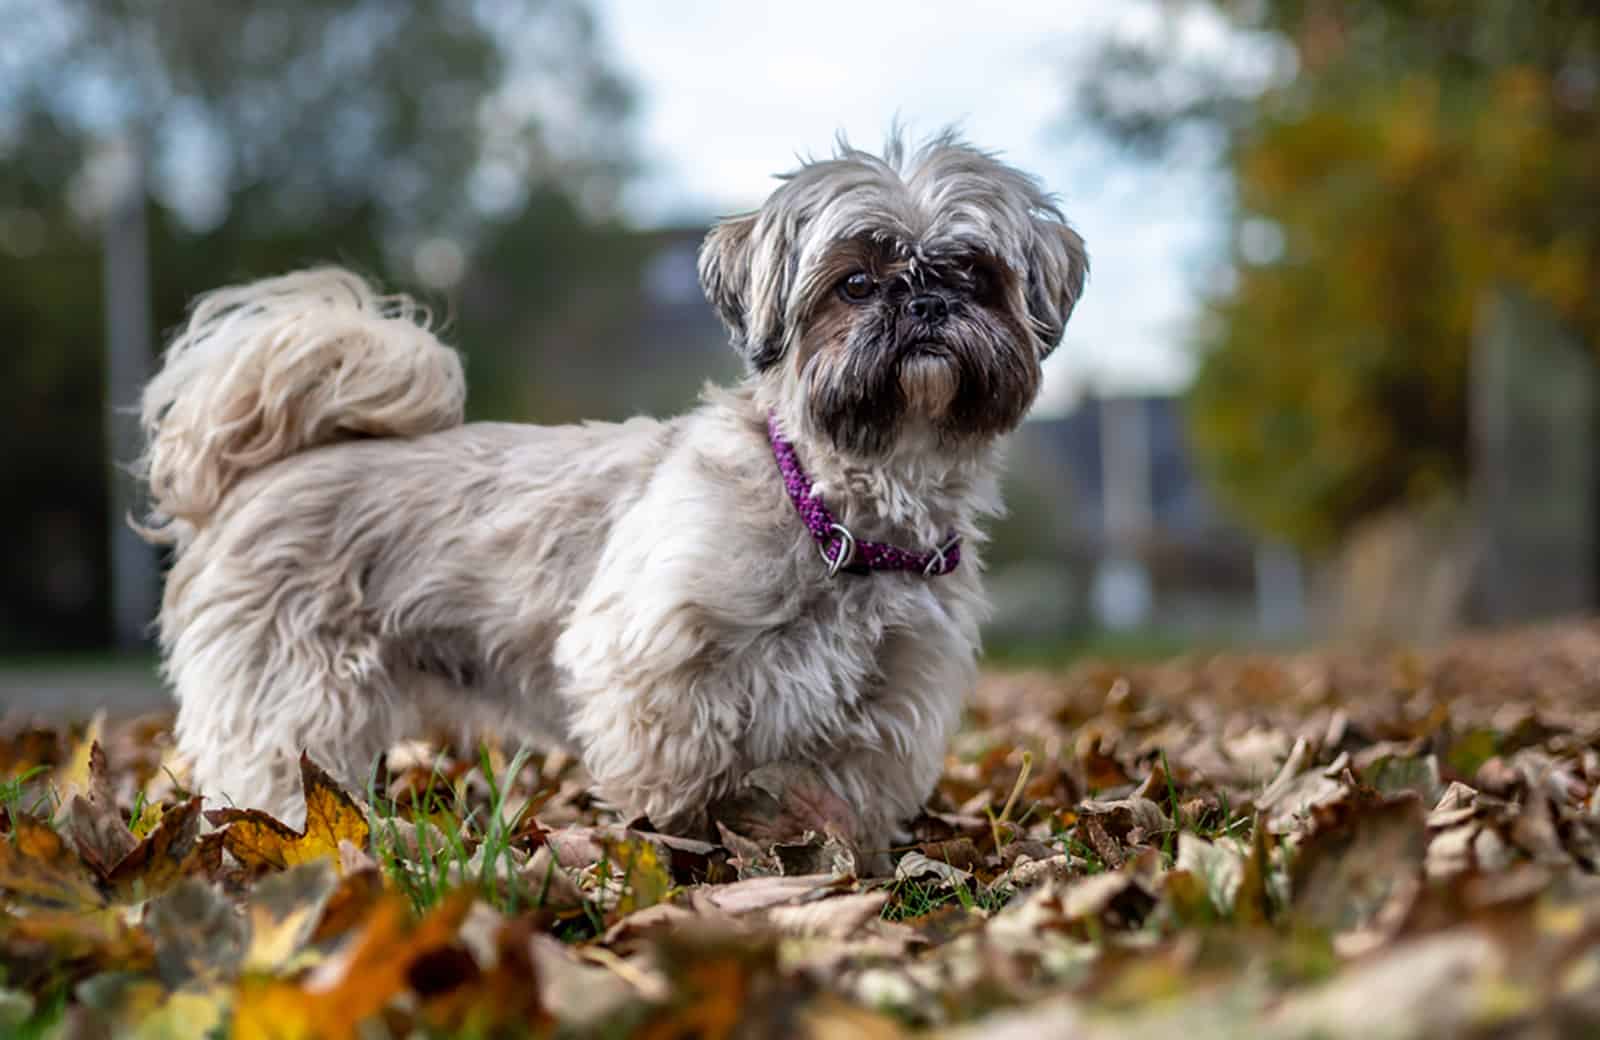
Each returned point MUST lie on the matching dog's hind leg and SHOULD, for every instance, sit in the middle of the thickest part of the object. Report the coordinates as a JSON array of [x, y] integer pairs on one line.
[[263, 670]]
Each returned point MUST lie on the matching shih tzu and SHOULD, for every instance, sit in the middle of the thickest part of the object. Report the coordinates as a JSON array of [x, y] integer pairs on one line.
[[786, 574]]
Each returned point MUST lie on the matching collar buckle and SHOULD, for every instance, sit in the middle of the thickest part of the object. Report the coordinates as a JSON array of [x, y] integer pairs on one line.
[[937, 563], [844, 555]]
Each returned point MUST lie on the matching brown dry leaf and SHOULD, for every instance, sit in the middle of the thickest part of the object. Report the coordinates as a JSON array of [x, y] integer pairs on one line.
[[915, 865], [26, 749], [487, 992], [132, 866], [1027, 872], [1253, 903], [838, 918], [37, 867], [1297, 789], [1219, 866], [170, 851], [98, 831], [352, 900], [816, 854], [716, 980], [1132, 820], [582, 994], [51, 940], [1436, 986], [1359, 857], [260, 842], [761, 893], [552, 887], [1140, 951]]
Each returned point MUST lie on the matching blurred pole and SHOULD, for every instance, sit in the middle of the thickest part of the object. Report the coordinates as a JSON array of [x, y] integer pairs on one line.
[[1125, 465], [1122, 592], [1280, 591], [127, 306]]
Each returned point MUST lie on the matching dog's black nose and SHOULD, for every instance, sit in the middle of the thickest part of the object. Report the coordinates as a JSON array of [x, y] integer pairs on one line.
[[929, 307]]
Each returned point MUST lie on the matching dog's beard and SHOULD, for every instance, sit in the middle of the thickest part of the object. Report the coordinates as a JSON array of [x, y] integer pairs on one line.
[[870, 377], [929, 383]]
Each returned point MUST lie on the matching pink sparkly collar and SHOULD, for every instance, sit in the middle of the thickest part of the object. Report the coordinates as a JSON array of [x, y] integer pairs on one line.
[[841, 550]]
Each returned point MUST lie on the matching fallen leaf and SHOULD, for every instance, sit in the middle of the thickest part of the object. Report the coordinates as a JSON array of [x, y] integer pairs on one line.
[[170, 851], [37, 867], [258, 841], [837, 918], [1356, 859], [199, 934], [636, 870], [372, 969], [75, 775], [282, 915], [915, 865], [552, 887], [1218, 865], [816, 854], [98, 831]]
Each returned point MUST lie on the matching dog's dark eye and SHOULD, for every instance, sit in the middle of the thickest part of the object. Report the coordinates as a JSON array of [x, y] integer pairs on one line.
[[858, 286]]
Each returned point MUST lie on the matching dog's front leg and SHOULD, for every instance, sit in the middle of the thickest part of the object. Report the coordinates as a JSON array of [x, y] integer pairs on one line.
[[888, 773], [653, 727]]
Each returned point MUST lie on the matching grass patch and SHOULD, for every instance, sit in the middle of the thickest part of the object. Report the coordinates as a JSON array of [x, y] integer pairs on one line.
[[912, 898]]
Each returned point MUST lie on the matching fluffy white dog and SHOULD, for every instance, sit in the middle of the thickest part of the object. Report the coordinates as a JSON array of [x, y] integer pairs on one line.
[[785, 574]]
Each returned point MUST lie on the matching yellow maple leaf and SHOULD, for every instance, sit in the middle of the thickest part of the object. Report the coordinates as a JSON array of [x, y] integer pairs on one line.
[[259, 841]]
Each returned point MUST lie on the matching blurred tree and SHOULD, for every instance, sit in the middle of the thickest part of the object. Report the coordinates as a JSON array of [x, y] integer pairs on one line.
[[1392, 161], [401, 138]]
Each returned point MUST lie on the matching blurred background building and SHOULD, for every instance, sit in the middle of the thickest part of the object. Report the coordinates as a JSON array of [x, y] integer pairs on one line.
[[1334, 374]]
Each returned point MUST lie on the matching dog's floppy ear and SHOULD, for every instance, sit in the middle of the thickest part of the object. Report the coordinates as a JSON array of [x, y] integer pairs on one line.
[[744, 273], [1057, 269]]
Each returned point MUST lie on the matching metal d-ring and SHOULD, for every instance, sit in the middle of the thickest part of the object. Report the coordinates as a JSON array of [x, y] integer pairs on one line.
[[847, 550], [936, 563]]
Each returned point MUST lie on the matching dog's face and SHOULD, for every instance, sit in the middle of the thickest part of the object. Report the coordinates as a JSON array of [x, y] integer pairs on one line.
[[883, 291]]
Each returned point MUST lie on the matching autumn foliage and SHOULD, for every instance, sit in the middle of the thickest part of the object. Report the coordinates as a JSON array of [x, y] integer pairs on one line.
[[1409, 159]]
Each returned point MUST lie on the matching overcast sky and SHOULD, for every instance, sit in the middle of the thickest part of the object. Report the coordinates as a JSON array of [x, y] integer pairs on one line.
[[732, 92]]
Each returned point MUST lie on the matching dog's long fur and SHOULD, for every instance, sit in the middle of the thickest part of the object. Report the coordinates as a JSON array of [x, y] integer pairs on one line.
[[352, 560]]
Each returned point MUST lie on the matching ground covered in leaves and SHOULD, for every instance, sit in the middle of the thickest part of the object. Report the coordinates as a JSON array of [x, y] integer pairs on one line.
[[1339, 844]]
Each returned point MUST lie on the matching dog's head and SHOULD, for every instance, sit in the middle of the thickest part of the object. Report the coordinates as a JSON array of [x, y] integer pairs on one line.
[[927, 284]]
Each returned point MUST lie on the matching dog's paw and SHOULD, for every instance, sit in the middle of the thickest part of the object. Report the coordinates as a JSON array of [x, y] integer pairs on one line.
[[783, 802], [785, 818]]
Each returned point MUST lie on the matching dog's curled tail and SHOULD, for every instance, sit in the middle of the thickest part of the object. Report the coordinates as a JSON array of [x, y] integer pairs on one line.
[[265, 370]]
